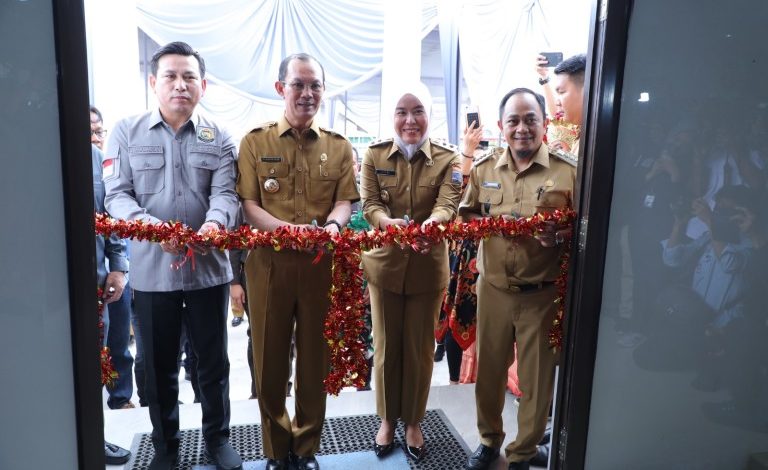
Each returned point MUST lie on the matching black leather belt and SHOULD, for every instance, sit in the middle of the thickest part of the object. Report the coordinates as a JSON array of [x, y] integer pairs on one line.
[[531, 287]]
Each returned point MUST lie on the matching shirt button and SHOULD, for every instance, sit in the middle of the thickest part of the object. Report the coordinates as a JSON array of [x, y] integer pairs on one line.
[[488, 199], [300, 213], [205, 163], [146, 165], [300, 191], [176, 165], [301, 147], [517, 199], [407, 188], [271, 171], [325, 173], [178, 193], [299, 169]]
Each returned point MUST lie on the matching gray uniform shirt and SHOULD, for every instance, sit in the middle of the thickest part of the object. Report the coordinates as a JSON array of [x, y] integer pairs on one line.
[[110, 249], [156, 175]]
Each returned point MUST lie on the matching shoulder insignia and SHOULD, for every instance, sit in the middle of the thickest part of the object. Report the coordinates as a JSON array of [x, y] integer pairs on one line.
[[379, 142], [444, 144], [489, 155], [332, 132], [263, 126], [564, 156]]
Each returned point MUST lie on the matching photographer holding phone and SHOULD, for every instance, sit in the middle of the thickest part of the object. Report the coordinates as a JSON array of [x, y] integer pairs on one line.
[[542, 70]]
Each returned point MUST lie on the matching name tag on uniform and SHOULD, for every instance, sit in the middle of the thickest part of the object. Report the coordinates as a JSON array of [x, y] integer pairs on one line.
[[491, 185], [380, 171], [271, 159], [456, 177]]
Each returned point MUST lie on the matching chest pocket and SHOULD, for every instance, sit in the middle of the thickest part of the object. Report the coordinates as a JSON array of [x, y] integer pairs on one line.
[[322, 184], [387, 181], [490, 201], [551, 200], [147, 164], [203, 160], [430, 184], [280, 172]]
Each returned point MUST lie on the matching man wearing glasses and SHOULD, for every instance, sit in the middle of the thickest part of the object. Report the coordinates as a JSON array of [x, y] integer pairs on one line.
[[98, 133], [293, 173]]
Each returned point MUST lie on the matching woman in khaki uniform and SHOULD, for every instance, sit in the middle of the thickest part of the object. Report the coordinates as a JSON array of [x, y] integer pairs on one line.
[[407, 179]]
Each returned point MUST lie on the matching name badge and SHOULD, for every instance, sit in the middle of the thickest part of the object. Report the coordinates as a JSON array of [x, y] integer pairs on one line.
[[380, 171], [271, 159], [491, 185]]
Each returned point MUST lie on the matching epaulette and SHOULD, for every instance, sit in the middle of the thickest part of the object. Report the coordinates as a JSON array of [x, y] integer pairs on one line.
[[263, 126], [565, 156], [488, 155], [444, 144], [379, 142], [332, 132]]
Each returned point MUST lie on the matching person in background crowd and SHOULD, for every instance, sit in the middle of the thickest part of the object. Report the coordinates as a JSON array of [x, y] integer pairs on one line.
[[173, 164], [516, 290], [409, 177], [119, 332], [112, 282], [293, 172]]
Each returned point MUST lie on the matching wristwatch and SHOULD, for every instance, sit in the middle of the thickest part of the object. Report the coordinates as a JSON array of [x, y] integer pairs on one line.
[[331, 221], [544, 81]]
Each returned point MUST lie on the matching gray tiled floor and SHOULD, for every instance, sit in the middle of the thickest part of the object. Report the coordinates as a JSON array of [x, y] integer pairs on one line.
[[456, 401]]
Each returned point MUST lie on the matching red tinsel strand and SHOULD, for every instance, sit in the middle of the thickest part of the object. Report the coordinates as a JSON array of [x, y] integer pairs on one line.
[[344, 318], [108, 372]]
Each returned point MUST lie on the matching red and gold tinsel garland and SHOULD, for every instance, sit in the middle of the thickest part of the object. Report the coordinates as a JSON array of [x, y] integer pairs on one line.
[[108, 372], [344, 323]]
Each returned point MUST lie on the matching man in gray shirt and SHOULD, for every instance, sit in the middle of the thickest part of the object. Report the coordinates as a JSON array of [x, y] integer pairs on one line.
[[173, 164]]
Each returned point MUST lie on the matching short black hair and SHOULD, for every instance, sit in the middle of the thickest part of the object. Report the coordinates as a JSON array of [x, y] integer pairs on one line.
[[539, 99], [95, 111], [574, 67], [301, 56], [180, 48]]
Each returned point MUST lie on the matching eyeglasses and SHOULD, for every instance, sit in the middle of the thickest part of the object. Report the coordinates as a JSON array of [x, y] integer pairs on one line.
[[298, 87], [100, 133]]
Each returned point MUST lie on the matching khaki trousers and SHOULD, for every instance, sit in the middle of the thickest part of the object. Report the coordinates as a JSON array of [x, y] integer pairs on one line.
[[285, 288], [503, 318], [403, 344]]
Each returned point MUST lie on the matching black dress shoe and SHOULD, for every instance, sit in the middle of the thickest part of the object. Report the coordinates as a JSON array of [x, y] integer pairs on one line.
[[163, 462], [416, 453], [439, 352], [382, 450], [546, 438], [306, 463], [224, 456], [115, 455], [482, 458], [277, 464], [519, 466], [541, 459]]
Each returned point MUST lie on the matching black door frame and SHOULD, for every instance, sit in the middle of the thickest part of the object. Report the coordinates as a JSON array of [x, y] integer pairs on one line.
[[72, 87], [604, 78]]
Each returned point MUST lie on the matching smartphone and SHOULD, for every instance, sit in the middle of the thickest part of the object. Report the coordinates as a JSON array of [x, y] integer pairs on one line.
[[553, 58], [473, 117], [483, 144]]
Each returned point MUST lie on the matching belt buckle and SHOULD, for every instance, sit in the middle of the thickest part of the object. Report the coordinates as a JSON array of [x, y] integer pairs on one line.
[[515, 288]]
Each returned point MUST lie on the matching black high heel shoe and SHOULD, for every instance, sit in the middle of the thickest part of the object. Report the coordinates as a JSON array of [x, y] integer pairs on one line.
[[416, 453], [382, 450]]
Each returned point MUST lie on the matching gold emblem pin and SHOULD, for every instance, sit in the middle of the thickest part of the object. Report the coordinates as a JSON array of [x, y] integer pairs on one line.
[[430, 162], [385, 195], [549, 183], [271, 185], [323, 158]]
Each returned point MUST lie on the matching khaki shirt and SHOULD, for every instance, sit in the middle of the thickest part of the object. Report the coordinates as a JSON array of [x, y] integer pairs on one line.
[[154, 174], [296, 177], [495, 188], [427, 186]]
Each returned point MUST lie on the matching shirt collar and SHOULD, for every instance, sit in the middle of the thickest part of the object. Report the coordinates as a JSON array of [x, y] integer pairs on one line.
[[284, 126], [541, 157], [425, 148], [156, 118]]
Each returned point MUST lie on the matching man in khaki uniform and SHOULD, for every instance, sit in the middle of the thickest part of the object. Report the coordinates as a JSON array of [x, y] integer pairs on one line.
[[418, 178], [293, 173], [515, 290]]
